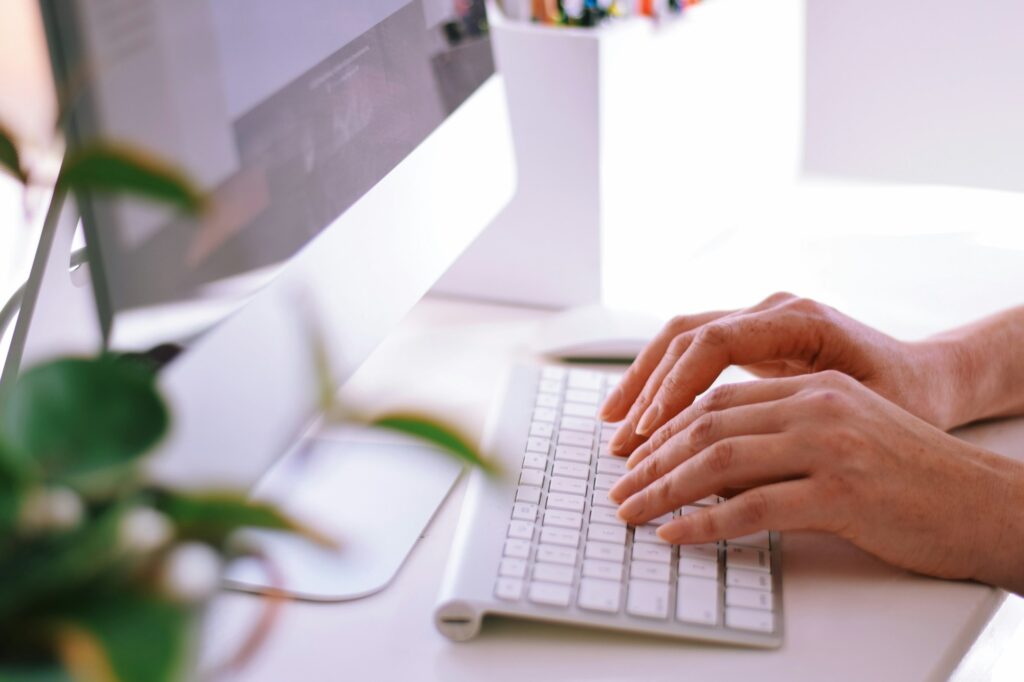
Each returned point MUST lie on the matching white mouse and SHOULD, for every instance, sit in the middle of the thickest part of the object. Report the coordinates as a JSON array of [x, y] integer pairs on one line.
[[595, 333]]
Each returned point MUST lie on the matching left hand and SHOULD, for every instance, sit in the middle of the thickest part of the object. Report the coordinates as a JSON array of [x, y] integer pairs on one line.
[[824, 452]]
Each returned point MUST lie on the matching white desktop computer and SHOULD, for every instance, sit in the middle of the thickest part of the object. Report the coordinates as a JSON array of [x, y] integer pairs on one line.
[[352, 150]]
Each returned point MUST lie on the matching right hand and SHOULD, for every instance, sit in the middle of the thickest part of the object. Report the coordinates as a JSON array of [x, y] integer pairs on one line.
[[779, 337]]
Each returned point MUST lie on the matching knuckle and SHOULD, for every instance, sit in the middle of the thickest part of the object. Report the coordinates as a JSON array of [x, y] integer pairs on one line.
[[654, 468], [778, 297], [708, 523], [702, 428], [661, 491], [678, 345], [807, 306], [660, 438], [672, 385], [714, 335], [755, 508], [679, 324], [718, 398], [719, 457]]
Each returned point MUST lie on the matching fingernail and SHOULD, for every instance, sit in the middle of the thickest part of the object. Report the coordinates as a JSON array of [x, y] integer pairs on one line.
[[674, 532], [634, 459], [611, 403], [619, 440], [616, 493], [632, 508], [646, 425]]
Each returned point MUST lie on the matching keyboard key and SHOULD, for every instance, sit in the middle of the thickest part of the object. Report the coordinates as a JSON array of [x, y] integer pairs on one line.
[[760, 540], [521, 529], [572, 454], [737, 556], [577, 438], [580, 410], [597, 568], [565, 501], [535, 460], [647, 599], [550, 386], [563, 519], [544, 414], [749, 619], [698, 568], [577, 424], [709, 500], [661, 520], [524, 511], [758, 580], [528, 493], [541, 445], [645, 570], [707, 551], [577, 395], [611, 465], [605, 451], [607, 533], [553, 373], [605, 551], [643, 551], [561, 484], [550, 593], [648, 534], [573, 469], [697, 600], [509, 589], [517, 549], [751, 599], [556, 555], [586, 379], [512, 568], [553, 535], [608, 431], [600, 498], [531, 477], [605, 515], [548, 400], [554, 573], [542, 429], [600, 595], [605, 481]]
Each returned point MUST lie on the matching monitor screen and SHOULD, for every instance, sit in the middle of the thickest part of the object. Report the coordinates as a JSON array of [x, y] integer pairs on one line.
[[285, 112]]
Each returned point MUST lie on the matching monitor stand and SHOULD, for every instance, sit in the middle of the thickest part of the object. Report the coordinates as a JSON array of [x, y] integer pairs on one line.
[[373, 494]]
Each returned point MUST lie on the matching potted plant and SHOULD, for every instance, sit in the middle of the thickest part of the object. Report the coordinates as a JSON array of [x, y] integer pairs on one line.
[[104, 574]]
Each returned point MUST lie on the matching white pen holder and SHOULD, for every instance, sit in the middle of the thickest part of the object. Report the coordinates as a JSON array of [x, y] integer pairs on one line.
[[632, 123]]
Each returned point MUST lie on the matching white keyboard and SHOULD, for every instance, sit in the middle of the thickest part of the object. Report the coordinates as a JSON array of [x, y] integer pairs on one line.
[[545, 543]]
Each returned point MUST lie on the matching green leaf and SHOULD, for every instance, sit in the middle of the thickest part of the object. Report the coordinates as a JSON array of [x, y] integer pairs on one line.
[[83, 419], [9, 157], [126, 636], [212, 517], [119, 168], [45, 568], [436, 434]]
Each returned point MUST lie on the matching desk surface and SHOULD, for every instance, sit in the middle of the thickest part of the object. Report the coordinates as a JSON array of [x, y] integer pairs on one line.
[[849, 616]]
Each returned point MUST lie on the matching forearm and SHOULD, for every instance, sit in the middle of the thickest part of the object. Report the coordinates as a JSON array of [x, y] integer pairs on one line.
[[981, 367], [1000, 557]]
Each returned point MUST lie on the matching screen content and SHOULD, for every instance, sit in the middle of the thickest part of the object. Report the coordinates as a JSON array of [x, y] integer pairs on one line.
[[286, 112]]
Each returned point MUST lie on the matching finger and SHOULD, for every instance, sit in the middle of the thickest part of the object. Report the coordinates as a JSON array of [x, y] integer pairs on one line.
[[622, 396], [737, 340], [742, 461], [721, 398], [626, 438], [790, 505], [746, 420]]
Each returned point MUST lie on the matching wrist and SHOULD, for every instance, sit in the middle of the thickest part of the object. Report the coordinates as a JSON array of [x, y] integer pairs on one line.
[[945, 372], [1001, 561]]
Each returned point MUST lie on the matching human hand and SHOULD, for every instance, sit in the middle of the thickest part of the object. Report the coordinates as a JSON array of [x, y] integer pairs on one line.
[[823, 452], [781, 336]]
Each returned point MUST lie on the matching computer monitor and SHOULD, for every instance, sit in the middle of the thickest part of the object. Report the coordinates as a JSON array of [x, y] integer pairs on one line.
[[352, 148]]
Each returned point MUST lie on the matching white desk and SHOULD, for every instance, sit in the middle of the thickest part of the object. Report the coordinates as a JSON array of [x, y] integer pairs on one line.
[[848, 616]]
